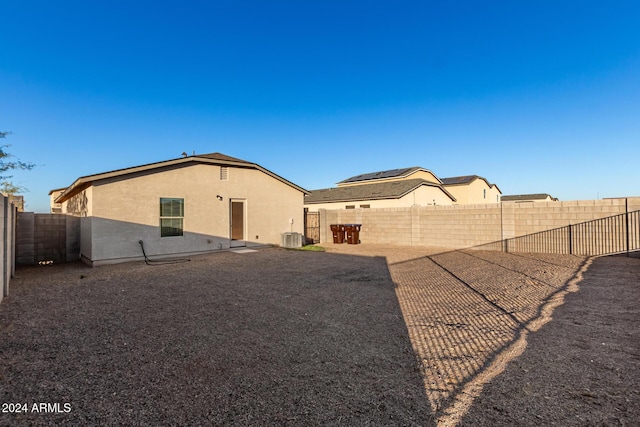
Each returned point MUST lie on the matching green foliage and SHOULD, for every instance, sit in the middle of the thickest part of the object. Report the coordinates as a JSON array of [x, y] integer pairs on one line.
[[7, 164], [312, 248]]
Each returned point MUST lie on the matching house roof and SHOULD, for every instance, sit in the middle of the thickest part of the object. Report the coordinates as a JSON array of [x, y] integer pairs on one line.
[[465, 179], [213, 158], [56, 190], [520, 197], [220, 156], [382, 190], [459, 180], [393, 173]]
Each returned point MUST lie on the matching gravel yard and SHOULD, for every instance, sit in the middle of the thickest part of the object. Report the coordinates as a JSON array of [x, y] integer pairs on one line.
[[358, 335]]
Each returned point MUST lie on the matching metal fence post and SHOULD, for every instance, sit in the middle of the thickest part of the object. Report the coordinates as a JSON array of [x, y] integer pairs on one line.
[[570, 241], [626, 218]]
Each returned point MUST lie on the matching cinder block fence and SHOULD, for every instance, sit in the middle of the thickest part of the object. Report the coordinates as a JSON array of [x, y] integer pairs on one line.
[[46, 238], [8, 212], [462, 226]]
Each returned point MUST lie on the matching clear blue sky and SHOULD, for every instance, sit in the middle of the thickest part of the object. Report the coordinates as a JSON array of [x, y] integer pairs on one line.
[[536, 96]]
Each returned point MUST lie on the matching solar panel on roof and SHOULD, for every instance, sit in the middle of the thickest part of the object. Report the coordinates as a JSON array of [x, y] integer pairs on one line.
[[382, 174]]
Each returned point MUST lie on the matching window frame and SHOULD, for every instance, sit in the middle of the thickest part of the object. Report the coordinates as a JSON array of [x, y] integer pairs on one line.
[[171, 220]]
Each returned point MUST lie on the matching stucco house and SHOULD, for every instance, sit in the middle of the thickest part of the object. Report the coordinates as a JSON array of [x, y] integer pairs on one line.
[[393, 188], [53, 195], [393, 194], [413, 186], [183, 206], [472, 189]]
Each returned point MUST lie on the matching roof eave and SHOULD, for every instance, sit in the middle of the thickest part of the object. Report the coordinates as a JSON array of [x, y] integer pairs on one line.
[[87, 181]]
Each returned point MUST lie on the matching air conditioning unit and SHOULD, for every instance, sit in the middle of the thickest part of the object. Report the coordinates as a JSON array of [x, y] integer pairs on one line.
[[292, 240]]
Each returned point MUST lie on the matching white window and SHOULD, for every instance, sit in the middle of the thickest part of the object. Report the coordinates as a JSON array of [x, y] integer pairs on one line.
[[171, 217]]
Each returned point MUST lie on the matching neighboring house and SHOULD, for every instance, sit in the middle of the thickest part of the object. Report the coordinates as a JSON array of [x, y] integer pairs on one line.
[[390, 194], [183, 206], [53, 195], [521, 198], [472, 189], [18, 201], [414, 186]]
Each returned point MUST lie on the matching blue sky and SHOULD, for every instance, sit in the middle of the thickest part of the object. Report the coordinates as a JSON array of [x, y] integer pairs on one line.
[[537, 96]]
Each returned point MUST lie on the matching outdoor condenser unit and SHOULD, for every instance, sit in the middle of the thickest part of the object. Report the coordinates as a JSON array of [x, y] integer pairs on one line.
[[292, 240]]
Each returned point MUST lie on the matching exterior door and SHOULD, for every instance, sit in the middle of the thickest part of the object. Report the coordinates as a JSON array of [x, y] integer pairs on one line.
[[237, 223]]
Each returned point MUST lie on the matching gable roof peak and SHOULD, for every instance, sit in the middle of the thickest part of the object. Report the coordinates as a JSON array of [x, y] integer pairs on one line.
[[212, 158], [220, 156]]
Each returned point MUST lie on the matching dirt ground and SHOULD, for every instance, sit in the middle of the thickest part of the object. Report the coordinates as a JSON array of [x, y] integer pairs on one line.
[[357, 335], [521, 339]]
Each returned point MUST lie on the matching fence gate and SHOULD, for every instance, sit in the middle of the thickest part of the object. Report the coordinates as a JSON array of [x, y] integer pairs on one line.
[[311, 226]]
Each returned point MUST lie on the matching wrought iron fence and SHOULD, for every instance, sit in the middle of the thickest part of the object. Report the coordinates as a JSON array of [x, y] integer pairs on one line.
[[611, 235]]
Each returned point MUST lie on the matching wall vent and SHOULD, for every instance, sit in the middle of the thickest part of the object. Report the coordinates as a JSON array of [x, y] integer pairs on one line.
[[224, 173]]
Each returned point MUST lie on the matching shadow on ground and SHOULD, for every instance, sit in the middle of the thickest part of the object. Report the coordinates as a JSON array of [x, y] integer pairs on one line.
[[272, 337], [469, 313], [374, 336], [583, 368]]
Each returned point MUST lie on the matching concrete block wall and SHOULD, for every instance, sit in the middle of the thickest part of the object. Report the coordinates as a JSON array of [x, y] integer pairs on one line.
[[8, 213], [459, 226], [25, 238], [386, 225], [534, 217], [50, 238], [443, 226], [72, 244], [47, 237]]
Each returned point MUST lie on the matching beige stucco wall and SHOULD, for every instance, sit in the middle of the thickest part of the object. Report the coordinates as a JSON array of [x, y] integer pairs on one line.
[[460, 226], [422, 196], [421, 174], [124, 211], [53, 206], [474, 193]]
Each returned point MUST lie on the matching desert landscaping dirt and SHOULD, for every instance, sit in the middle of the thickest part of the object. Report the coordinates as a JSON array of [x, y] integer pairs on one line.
[[358, 335]]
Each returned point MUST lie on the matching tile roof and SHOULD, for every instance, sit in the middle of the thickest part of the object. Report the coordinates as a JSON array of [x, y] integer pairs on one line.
[[382, 190]]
